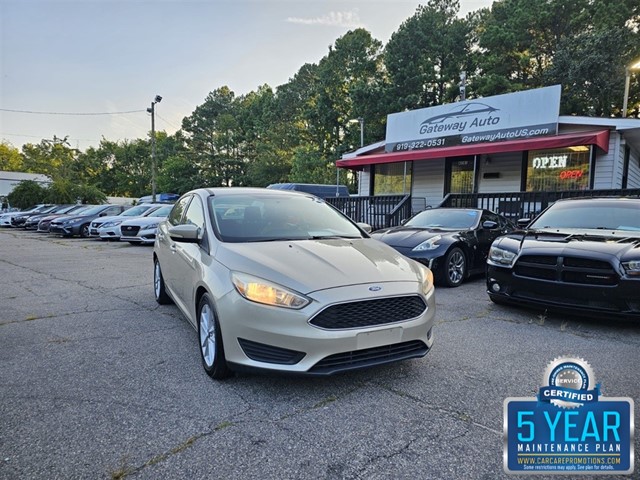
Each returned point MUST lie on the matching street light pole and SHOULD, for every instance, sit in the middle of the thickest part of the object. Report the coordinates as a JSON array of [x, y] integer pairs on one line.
[[152, 111], [361, 121], [627, 80]]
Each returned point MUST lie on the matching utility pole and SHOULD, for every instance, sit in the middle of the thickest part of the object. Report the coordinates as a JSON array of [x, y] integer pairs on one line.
[[152, 111], [463, 85]]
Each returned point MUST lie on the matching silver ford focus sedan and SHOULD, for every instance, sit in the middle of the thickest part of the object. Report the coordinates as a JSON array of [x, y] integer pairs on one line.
[[281, 281]]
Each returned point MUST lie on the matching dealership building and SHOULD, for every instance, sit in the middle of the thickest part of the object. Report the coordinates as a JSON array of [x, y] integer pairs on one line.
[[517, 142]]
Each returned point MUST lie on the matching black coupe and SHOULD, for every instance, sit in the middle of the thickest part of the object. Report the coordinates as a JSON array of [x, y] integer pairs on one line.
[[452, 242], [581, 256]]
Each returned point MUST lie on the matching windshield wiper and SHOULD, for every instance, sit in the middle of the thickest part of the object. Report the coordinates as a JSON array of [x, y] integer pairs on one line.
[[324, 237]]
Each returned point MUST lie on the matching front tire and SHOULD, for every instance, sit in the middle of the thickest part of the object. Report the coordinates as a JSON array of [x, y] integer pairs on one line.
[[454, 268], [159, 288], [84, 231], [211, 348]]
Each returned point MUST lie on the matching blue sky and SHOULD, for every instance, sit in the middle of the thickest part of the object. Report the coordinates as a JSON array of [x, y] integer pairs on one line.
[[105, 56]]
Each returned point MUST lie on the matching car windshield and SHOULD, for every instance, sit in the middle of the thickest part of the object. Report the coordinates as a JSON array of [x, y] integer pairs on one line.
[[445, 218], [95, 210], [591, 215], [257, 217], [68, 208], [135, 211], [160, 212]]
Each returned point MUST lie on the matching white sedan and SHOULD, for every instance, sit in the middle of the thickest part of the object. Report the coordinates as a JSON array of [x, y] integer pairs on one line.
[[142, 230]]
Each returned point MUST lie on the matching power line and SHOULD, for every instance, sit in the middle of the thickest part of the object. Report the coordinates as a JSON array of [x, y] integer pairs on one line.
[[70, 113], [167, 121]]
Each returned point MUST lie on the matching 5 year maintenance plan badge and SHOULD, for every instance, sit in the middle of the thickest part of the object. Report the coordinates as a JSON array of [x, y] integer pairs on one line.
[[570, 428]]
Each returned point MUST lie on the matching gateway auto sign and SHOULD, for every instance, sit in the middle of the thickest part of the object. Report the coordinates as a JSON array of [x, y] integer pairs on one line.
[[513, 116]]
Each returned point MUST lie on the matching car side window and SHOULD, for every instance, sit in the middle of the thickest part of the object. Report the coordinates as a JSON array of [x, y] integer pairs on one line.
[[491, 217], [178, 209], [195, 214], [113, 210]]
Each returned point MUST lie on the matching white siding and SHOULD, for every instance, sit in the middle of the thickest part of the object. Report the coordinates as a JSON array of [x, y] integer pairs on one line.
[[633, 180], [428, 180], [608, 170], [508, 165]]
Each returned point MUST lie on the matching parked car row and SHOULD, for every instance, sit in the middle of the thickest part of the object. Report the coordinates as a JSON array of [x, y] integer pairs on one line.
[[98, 221], [281, 281], [580, 256]]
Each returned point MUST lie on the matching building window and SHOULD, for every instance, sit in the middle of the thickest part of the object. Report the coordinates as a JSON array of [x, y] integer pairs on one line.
[[392, 178], [559, 169]]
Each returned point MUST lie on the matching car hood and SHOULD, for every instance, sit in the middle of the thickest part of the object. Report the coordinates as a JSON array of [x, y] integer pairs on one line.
[[616, 243], [310, 265], [143, 221], [410, 237], [108, 219]]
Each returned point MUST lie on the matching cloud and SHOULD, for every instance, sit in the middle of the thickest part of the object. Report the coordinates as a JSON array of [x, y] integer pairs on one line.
[[332, 19]]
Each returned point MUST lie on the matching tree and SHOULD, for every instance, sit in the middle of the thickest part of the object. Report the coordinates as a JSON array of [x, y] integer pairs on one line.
[[10, 158], [211, 136], [27, 193], [590, 67], [425, 56]]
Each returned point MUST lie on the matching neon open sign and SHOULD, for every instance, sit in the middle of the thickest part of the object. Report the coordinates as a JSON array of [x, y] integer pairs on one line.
[[570, 174], [551, 161]]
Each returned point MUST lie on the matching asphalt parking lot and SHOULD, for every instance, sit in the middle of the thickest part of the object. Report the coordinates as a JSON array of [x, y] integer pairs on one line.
[[98, 381]]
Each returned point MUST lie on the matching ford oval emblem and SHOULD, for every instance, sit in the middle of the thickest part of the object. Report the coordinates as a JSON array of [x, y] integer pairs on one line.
[[375, 288]]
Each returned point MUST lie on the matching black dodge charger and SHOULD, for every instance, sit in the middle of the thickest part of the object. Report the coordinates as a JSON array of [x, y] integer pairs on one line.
[[580, 256], [452, 242]]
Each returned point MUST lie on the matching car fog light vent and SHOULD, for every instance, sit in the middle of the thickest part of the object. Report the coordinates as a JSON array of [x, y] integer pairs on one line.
[[261, 352], [495, 287]]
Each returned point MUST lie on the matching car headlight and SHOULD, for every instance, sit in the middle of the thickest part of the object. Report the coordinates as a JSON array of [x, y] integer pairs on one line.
[[430, 244], [113, 223], [261, 291], [501, 256], [426, 280], [632, 268], [149, 227], [70, 220]]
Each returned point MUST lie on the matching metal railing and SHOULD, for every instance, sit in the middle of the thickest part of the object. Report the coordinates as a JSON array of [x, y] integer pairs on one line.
[[516, 205], [378, 211]]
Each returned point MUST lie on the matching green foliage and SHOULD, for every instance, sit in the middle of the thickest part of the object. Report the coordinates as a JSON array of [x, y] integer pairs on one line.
[[27, 193], [310, 166], [10, 158], [65, 191], [425, 56]]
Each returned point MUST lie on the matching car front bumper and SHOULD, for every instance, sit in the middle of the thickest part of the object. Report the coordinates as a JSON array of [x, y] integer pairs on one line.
[[271, 338], [144, 236], [108, 233], [65, 230], [620, 300]]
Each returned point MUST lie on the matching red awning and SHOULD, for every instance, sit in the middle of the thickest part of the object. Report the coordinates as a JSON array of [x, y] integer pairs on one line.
[[599, 138]]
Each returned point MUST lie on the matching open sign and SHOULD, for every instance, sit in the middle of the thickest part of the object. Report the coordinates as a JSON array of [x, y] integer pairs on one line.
[[566, 174]]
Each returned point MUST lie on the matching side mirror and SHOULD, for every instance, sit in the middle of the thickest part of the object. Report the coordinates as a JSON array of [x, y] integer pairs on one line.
[[523, 222], [364, 226], [489, 225], [188, 233]]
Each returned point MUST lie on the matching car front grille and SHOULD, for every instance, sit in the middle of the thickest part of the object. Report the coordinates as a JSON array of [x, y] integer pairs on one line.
[[574, 270], [261, 352], [369, 357], [369, 313], [129, 230]]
